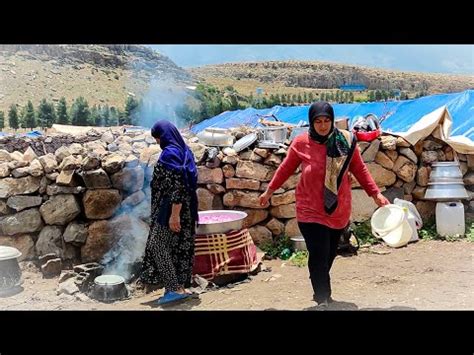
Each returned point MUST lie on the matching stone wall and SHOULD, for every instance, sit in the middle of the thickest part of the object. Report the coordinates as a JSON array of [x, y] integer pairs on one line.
[[81, 197]]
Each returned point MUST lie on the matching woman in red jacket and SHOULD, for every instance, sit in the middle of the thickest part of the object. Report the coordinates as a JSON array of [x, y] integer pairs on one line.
[[323, 195]]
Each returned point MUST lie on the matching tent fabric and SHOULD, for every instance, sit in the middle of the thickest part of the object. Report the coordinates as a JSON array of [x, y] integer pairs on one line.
[[396, 116]]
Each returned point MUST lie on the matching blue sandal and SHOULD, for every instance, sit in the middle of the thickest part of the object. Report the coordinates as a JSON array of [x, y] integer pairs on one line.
[[171, 297]]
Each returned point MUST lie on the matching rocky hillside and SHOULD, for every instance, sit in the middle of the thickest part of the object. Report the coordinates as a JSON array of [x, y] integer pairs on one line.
[[321, 75], [103, 74]]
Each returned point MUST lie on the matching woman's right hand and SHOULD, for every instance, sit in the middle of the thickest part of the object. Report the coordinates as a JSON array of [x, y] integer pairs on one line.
[[265, 197]]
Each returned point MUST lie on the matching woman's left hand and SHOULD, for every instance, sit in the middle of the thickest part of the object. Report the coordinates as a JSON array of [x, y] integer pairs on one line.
[[175, 223], [381, 200]]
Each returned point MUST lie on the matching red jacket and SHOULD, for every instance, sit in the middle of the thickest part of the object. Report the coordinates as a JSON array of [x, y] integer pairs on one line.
[[310, 189]]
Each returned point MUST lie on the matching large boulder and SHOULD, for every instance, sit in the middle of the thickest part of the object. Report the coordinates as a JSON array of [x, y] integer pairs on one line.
[[251, 170], [210, 176], [292, 229], [260, 235], [242, 184], [284, 198], [50, 241], [75, 233], [284, 211], [128, 179], [101, 203], [363, 206], [381, 176], [96, 179], [405, 169], [243, 199]]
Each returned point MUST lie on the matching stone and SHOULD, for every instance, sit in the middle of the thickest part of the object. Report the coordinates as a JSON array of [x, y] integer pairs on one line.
[[232, 160], [363, 206], [19, 203], [52, 268], [228, 171], [128, 179], [21, 186], [68, 286], [418, 193], [244, 199], [405, 169], [370, 153], [49, 163], [242, 184], [469, 178], [29, 155], [409, 186], [60, 209], [76, 149], [422, 176], [54, 189], [392, 154], [101, 203], [388, 142], [283, 199], [229, 152], [449, 153], [131, 161], [107, 137], [273, 160], [393, 192], [67, 178], [429, 157], [210, 176], [401, 142], [113, 163], [198, 150], [470, 161], [216, 188], [254, 216], [4, 170], [70, 163], [275, 226], [27, 221], [261, 152], [383, 160], [431, 145], [50, 241], [4, 209], [90, 162], [441, 155], [283, 211], [292, 229], [251, 170], [96, 179], [363, 146], [5, 156], [36, 169], [409, 154], [381, 176], [75, 233], [61, 153], [20, 172], [260, 235], [205, 199]]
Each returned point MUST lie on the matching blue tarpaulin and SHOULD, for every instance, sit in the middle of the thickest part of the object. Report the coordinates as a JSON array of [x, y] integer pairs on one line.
[[398, 116]]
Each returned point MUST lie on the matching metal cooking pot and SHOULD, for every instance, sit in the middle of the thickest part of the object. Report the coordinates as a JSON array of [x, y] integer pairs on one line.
[[274, 134], [299, 243], [109, 288], [10, 272], [446, 172], [221, 227]]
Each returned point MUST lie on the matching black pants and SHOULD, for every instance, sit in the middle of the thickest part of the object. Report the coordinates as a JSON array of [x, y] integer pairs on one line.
[[321, 242]]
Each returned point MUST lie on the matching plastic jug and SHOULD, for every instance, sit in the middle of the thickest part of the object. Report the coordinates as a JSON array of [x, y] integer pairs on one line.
[[450, 218]]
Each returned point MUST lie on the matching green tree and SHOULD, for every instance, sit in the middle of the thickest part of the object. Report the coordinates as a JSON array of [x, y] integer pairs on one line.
[[46, 114], [351, 97], [322, 96], [61, 112], [2, 120], [30, 116], [113, 119], [94, 117], [378, 95], [80, 113], [337, 97], [311, 97], [305, 97], [13, 119], [131, 111], [299, 98], [371, 96]]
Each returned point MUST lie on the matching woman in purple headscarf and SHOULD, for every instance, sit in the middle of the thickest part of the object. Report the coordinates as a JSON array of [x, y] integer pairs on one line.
[[169, 252]]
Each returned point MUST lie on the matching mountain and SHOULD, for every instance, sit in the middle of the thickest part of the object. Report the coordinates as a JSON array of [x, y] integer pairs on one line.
[[103, 74]]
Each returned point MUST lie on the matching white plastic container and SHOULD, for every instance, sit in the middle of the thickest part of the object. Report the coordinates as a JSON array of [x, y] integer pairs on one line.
[[413, 216], [450, 218], [390, 223]]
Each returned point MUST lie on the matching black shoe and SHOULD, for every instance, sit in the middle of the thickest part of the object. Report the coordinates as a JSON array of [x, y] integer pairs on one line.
[[328, 300]]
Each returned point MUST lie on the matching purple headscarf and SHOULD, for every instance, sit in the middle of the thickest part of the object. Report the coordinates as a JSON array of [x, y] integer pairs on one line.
[[176, 155]]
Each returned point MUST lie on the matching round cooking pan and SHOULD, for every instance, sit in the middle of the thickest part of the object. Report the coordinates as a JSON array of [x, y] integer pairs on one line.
[[109, 288]]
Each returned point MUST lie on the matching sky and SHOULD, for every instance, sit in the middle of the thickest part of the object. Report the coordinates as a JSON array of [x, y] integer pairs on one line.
[[453, 59]]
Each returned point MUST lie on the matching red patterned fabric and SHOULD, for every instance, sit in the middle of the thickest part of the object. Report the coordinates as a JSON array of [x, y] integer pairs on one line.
[[224, 254]]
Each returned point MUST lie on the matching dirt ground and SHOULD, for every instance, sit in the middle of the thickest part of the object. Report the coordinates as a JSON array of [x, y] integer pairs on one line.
[[427, 275]]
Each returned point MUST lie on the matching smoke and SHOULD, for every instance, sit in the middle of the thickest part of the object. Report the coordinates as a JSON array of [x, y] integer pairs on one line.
[[131, 234]]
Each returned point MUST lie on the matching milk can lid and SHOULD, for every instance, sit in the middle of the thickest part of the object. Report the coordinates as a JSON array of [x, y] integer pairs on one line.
[[7, 253]]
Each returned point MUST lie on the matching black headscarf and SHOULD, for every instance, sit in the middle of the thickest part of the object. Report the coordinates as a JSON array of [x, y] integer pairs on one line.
[[317, 109]]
